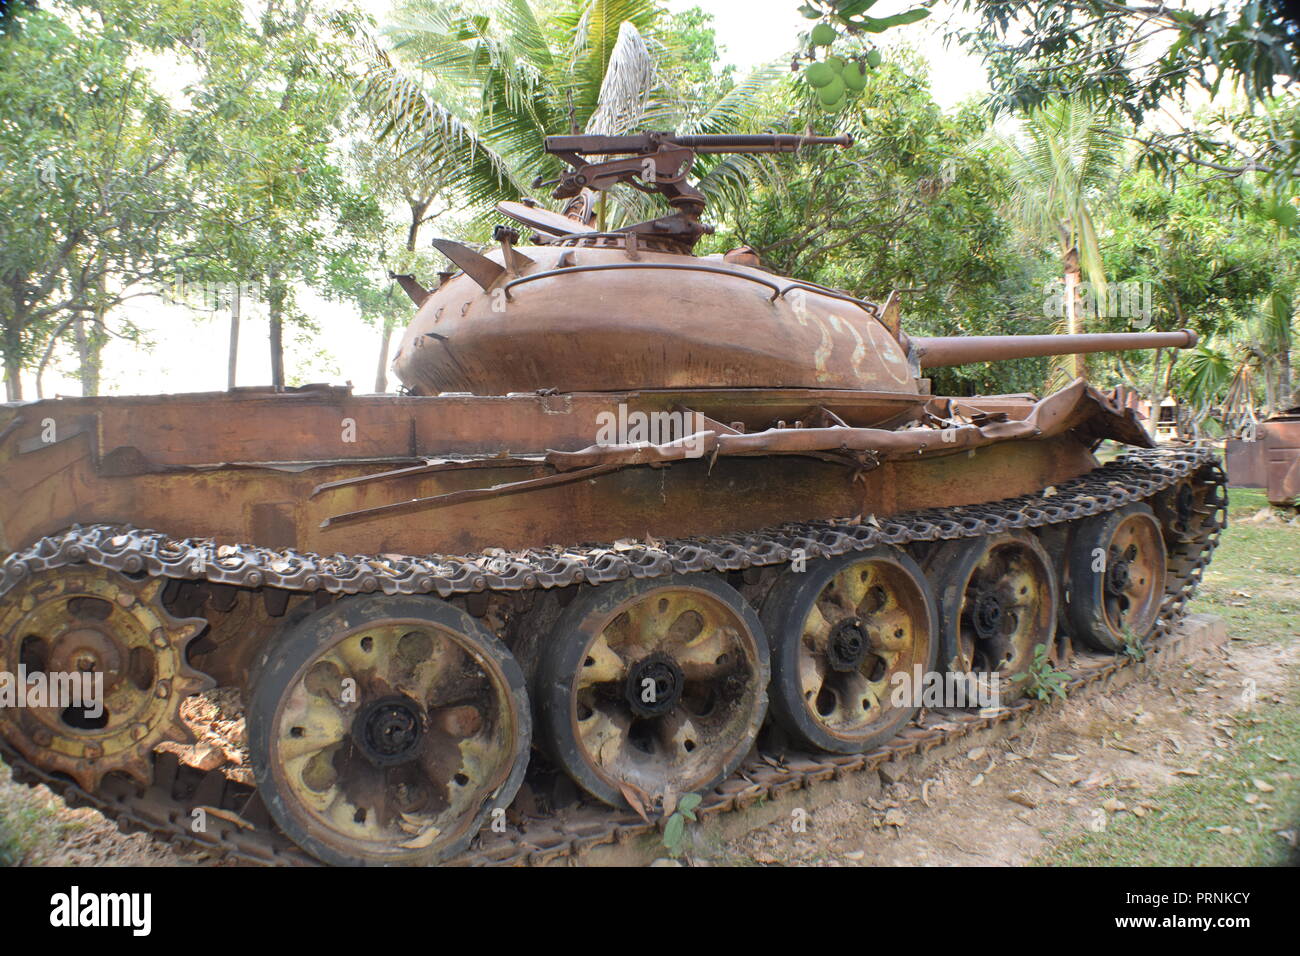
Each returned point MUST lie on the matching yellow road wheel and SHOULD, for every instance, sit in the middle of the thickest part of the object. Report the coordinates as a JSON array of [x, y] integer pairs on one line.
[[843, 631], [653, 685], [387, 729]]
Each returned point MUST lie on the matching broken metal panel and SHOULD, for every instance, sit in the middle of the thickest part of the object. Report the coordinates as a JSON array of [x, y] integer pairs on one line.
[[1271, 461], [1245, 463], [1075, 408]]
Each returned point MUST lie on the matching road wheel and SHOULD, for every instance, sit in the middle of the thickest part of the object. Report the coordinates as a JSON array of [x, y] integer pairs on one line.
[[651, 686], [385, 730], [1117, 569], [998, 600], [841, 632]]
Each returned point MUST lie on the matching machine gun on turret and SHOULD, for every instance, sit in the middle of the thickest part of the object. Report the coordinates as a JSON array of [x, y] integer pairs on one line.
[[659, 163]]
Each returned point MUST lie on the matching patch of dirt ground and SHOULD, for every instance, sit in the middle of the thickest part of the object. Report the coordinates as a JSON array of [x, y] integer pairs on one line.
[[1072, 768]]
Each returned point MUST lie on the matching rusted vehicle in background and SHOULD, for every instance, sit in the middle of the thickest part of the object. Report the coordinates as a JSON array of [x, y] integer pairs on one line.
[[1270, 459], [634, 502]]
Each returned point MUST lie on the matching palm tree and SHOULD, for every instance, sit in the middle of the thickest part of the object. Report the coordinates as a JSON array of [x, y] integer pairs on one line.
[[1069, 153], [1224, 371], [478, 92]]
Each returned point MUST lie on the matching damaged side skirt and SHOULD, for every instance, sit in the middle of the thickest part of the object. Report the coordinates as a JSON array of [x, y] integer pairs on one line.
[[950, 427]]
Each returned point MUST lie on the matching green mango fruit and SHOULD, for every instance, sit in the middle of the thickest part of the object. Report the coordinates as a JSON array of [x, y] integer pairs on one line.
[[836, 63], [823, 34], [873, 58], [854, 76], [819, 74], [832, 92]]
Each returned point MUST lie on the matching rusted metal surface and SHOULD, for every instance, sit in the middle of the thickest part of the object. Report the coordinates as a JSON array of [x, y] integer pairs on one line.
[[1281, 437], [844, 633], [1271, 461], [998, 601], [659, 162], [97, 622], [633, 309], [965, 349], [192, 465], [589, 319], [474, 504], [657, 685], [1244, 460], [386, 730]]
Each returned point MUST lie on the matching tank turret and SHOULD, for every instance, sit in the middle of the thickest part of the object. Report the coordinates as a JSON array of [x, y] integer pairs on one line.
[[580, 310]]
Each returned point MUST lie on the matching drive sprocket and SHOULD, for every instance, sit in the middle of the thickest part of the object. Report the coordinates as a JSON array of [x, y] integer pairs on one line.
[[74, 627]]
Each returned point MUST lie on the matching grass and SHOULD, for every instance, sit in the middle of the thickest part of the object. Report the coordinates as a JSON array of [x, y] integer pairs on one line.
[[1253, 583], [28, 823], [1180, 834]]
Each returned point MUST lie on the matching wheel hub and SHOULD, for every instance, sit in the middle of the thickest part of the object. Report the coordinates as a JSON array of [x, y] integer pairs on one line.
[[848, 645], [1117, 575], [654, 685], [388, 730], [987, 614]]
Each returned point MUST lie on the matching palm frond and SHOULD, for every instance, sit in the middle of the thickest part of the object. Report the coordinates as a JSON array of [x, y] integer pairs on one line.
[[626, 87], [430, 136]]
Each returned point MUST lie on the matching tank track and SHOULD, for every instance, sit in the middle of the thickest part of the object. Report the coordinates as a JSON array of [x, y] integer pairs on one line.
[[240, 826]]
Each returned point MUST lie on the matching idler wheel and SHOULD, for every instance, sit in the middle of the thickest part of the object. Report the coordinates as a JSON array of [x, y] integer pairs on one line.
[[840, 632], [95, 628], [1187, 509], [384, 730], [998, 599], [1117, 566], [652, 685]]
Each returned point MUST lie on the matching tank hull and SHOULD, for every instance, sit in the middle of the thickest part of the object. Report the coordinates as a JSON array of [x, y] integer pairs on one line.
[[325, 471]]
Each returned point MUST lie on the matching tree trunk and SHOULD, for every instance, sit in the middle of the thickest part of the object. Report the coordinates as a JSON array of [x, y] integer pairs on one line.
[[1073, 322], [90, 342], [90, 348], [13, 360], [418, 209], [1266, 372], [13, 381], [1157, 393], [381, 375], [276, 311], [233, 362], [1284, 376]]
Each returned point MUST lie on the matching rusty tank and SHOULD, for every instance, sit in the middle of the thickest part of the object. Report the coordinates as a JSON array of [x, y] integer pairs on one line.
[[641, 518], [1269, 458]]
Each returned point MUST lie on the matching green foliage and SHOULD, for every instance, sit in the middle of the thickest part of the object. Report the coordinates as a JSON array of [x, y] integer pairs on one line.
[[1043, 681], [1134, 647], [92, 178], [281, 208], [675, 827], [1134, 60], [916, 205], [479, 91], [114, 188]]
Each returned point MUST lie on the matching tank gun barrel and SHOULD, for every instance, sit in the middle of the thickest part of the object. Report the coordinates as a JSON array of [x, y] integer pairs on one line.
[[964, 350], [728, 143]]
